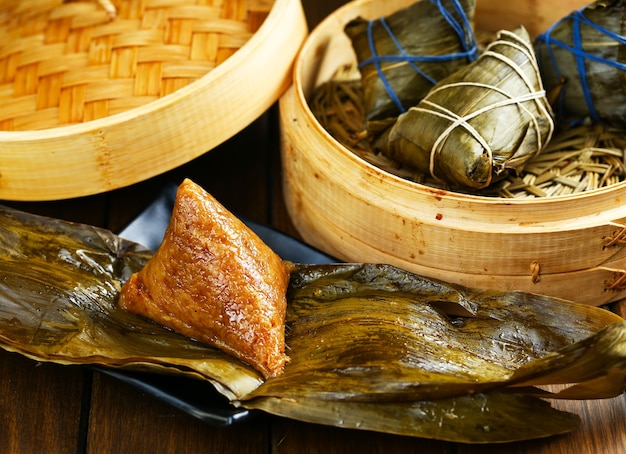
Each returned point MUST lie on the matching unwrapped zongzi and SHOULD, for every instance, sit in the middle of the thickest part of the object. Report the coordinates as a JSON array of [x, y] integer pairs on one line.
[[214, 280], [372, 347]]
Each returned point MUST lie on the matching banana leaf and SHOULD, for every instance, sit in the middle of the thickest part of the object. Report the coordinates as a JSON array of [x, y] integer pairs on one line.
[[401, 56], [582, 58], [480, 123], [372, 347]]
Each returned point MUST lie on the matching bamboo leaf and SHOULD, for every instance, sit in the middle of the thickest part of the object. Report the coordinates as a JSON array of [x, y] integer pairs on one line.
[[478, 418], [363, 332], [402, 55], [58, 293], [582, 59], [479, 123], [372, 346]]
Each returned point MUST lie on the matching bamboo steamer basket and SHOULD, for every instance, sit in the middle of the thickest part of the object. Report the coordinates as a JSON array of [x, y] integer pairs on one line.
[[570, 247], [90, 104]]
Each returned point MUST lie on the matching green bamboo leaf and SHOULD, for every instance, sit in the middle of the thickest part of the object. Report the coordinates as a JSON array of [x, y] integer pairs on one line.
[[481, 122], [581, 57], [420, 31]]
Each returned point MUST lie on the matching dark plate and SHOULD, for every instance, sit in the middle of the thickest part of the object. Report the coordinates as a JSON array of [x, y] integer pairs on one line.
[[195, 397]]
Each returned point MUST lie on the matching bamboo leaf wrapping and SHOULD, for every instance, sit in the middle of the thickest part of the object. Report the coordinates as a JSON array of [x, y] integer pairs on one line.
[[480, 123], [372, 346]]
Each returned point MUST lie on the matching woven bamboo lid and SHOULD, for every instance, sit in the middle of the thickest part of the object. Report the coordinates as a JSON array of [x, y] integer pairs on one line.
[[91, 103]]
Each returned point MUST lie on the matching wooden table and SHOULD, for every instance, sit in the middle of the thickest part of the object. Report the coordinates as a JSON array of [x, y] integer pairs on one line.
[[47, 408]]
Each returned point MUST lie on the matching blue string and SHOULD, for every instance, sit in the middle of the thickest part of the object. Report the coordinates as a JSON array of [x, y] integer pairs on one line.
[[463, 30], [580, 56]]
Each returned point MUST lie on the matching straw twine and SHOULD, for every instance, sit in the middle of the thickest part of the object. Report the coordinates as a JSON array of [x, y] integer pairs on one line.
[[69, 62], [579, 159], [528, 93]]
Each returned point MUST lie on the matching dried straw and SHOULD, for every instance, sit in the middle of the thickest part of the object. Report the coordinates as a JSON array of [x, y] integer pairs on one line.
[[579, 159]]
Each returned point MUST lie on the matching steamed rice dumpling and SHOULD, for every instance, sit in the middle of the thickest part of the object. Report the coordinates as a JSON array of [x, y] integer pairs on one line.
[[582, 59], [401, 56], [479, 123], [214, 280], [372, 346]]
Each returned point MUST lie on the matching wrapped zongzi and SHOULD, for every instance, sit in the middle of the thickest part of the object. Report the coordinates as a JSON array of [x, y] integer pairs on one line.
[[582, 59], [401, 56], [479, 123]]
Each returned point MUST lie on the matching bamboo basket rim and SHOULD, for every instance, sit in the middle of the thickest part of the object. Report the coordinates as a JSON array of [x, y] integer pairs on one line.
[[346, 12], [21, 148], [357, 211], [157, 104]]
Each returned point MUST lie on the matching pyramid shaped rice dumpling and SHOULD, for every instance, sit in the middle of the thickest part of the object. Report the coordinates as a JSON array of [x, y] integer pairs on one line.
[[214, 280]]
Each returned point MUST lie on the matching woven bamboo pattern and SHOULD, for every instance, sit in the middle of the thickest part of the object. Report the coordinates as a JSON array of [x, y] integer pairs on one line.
[[70, 62]]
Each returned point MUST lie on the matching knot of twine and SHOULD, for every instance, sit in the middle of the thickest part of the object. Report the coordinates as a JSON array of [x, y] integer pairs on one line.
[[462, 28], [618, 283], [617, 238], [536, 94], [535, 272], [577, 18]]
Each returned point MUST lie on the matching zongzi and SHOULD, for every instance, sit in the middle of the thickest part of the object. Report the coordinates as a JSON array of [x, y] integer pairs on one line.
[[582, 58], [372, 347], [401, 56], [214, 280], [476, 125]]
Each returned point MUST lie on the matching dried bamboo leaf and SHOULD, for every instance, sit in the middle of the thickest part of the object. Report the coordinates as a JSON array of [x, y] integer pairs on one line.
[[375, 332], [582, 58], [480, 123], [479, 418], [372, 346], [401, 56], [592, 154], [58, 295], [338, 106]]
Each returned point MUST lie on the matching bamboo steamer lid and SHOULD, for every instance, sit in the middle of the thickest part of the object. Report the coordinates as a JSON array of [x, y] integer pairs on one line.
[[569, 246], [90, 104]]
